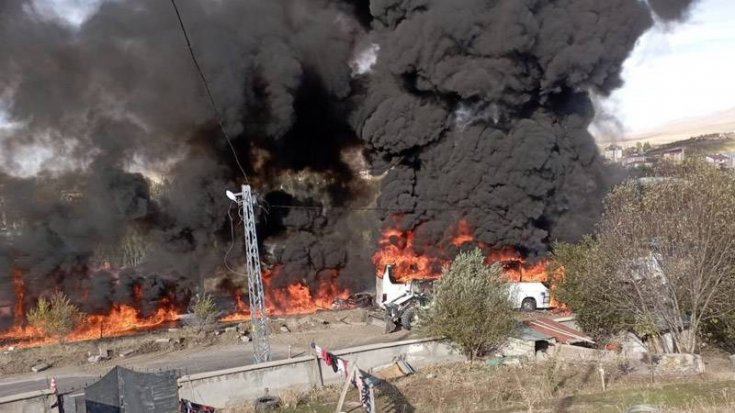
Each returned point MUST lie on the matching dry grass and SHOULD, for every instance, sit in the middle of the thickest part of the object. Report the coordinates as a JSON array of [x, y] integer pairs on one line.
[[542, 387], [317, 400]]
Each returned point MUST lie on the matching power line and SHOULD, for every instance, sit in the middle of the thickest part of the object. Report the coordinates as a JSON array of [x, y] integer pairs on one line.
[[315, 207], [212, 102]]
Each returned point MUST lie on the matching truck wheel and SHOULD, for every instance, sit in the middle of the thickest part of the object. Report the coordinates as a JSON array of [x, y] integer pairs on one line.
[[407, 318], [528, 304]]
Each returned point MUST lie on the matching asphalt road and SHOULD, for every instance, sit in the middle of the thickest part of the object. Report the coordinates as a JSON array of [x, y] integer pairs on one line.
[[184, 362], [196, 360]]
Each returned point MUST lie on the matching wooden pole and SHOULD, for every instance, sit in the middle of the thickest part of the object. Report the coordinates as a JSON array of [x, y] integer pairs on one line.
[[602, 377], [319, 371], [372, 398], [350, 376]]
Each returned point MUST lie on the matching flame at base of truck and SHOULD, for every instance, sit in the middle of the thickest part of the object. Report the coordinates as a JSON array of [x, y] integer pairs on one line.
[[411, 261]]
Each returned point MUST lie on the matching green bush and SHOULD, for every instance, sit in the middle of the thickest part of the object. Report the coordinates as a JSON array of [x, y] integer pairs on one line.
[[55, 316], [204, 310], [470, 306]]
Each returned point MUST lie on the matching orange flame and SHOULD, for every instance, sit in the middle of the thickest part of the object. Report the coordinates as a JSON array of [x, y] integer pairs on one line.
[[121, 320], [295, 298], [398, 249]]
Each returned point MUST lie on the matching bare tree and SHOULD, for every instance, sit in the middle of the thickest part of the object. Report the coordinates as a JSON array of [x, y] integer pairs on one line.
[[470, 305], [663, 256], [55, 316]]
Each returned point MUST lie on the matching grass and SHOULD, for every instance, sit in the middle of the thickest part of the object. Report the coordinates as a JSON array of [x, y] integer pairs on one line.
[[543, 387], [695, 396]]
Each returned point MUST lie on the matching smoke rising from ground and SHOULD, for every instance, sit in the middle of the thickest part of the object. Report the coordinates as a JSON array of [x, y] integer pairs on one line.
[[303, 86]]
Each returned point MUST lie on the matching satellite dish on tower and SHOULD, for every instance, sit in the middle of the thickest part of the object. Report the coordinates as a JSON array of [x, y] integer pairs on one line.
[[231, 195]]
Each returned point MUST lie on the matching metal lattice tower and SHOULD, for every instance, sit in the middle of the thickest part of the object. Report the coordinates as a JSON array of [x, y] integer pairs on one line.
[[258, 314]]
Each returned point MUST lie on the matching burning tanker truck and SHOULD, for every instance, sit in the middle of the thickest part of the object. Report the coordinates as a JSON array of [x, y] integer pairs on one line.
[[400, 301]]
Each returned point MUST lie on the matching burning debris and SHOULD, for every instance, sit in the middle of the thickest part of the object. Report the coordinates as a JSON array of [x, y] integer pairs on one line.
[[316, 95]]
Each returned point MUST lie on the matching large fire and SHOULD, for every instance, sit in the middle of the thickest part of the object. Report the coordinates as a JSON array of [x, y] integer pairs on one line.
[[395, 247], [398, 248], [296, 298], [122, 319]]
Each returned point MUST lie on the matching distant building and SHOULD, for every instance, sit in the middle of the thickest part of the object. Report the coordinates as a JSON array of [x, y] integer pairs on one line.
[[636, 161], [673, 154], [719, 159], [613, 153]]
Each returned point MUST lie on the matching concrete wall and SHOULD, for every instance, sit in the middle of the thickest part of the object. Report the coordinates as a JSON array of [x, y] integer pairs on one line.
[[585, 355], [32, 402], [227, 387]]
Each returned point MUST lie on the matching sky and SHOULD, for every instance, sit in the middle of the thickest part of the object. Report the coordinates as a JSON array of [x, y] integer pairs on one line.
[[681, 71], [676, 71]]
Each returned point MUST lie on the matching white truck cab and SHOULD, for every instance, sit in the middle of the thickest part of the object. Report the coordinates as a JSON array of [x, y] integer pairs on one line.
[[529, 296], [525, 296], [390, 291]]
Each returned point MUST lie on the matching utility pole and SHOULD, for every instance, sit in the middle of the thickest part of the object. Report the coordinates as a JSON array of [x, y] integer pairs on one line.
[[258, 314]]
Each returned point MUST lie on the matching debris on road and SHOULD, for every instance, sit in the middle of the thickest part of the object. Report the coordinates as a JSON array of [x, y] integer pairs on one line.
[[359, 300], [39, 367], [127, 352], [94, 359], [163, 340]]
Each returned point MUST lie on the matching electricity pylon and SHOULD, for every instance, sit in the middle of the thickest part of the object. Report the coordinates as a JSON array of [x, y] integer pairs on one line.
[[258, 314]]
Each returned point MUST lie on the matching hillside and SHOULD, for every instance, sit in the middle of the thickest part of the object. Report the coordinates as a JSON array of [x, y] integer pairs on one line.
[[683, 129]]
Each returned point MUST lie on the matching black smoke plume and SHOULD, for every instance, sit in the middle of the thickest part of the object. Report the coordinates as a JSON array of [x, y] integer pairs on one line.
[[480, 109], [475, 109]]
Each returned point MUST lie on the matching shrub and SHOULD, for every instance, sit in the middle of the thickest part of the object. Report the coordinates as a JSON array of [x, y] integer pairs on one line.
[[55, 316], [204, 309], [470, 306]]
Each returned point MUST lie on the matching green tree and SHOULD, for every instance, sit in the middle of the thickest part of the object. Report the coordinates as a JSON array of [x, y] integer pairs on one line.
[[470, 306], [581, 290], [204, 310], [662, 258], [55, 316]]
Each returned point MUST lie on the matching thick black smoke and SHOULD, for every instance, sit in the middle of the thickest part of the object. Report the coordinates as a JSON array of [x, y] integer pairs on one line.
[[670, 9], [476, 109], [480, 109], [121, 91]]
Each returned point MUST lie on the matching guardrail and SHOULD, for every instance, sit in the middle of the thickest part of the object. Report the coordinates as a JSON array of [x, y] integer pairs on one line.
[[240, 384]]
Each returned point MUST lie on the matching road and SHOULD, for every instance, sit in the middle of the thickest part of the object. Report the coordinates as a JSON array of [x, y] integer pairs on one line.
[[197, 360], [184, 362]]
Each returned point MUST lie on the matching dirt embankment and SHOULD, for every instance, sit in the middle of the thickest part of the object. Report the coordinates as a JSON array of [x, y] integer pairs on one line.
[[333, 328]]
